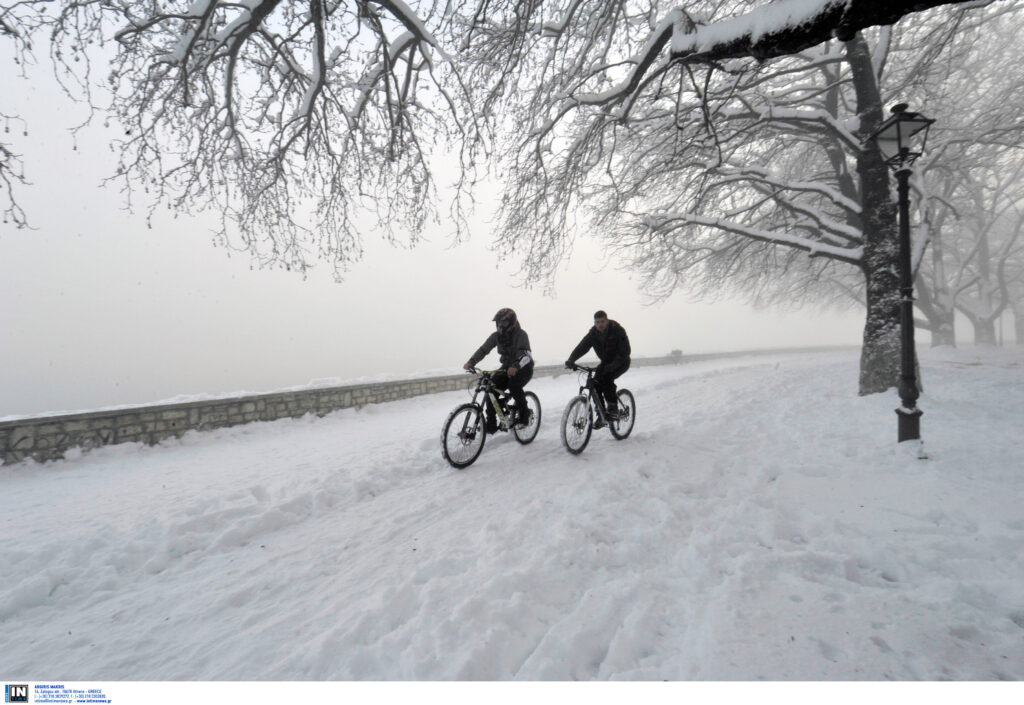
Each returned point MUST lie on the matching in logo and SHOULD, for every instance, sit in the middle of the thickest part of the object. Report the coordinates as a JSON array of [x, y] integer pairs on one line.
[[15, 693]]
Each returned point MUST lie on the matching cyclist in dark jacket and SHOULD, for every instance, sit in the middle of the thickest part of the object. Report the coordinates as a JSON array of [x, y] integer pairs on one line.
[[610, 342], [516, 360]]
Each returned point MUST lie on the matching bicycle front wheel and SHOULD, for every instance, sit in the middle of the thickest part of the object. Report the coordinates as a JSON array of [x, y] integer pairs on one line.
[[576, 425], [462, 436], [623, 425], [526, 434]]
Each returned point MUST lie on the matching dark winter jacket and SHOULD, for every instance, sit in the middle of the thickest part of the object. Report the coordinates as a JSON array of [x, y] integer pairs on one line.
[[612, 346], [513, 347]]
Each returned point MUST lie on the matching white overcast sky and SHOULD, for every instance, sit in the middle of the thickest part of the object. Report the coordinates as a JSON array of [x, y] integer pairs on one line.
[[98, 310]]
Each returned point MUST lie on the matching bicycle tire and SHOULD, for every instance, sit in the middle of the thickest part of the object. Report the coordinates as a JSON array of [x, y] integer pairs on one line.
[[529, 432], [577, 425], [463, 436], [623, 426]]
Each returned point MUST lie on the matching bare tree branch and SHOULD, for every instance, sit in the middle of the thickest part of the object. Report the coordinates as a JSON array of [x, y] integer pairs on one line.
[[304, 123]]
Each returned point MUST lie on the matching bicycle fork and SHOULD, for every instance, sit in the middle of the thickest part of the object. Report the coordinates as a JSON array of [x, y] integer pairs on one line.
[[465, 424]]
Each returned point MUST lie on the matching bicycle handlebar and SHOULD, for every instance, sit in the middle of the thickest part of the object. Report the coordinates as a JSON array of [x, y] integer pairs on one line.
[[581, 368]]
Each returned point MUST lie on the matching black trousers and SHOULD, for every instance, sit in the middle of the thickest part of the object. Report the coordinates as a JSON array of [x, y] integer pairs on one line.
[[514, 385], [604, 380]]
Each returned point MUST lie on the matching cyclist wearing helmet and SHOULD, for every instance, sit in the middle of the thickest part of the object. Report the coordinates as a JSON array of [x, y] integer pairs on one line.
[[610, 342], [516, 362]]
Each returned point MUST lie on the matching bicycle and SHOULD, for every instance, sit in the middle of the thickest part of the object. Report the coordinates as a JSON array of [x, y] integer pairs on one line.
[[586, 412], [463, 433]]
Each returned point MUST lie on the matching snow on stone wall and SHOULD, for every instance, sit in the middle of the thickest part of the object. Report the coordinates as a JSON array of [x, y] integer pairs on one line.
[[45, 438]]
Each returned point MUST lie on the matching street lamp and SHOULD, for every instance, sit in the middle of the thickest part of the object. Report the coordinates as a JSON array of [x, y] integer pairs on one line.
[[901, 140]]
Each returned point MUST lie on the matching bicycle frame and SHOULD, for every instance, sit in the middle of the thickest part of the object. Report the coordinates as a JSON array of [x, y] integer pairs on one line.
[[594, 400], [486, 385]]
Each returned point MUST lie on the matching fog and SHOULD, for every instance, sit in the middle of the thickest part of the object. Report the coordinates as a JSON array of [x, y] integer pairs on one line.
[[97, 309]]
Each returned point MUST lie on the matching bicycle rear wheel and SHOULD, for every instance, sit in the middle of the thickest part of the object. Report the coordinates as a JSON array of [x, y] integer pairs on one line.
[[527, 433], [462, 436], [623, 426], [576, 425]]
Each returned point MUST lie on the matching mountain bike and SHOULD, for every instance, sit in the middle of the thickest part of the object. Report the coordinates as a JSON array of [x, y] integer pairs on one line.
[[463, 434], [586, 412]]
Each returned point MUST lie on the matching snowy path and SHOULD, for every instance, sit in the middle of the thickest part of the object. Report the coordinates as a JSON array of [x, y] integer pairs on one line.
[[758, 524]]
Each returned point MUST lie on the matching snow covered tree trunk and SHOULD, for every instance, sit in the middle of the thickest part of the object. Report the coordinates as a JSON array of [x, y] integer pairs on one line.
[[880, 354]]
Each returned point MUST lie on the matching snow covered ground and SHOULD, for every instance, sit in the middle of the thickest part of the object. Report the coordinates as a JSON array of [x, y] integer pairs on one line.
[[760, 523]]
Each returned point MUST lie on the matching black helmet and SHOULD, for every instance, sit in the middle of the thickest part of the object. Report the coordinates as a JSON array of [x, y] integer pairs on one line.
[[505, 320]]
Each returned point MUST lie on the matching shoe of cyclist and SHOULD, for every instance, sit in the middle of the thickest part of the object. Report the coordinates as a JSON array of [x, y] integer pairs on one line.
[[612, 412]]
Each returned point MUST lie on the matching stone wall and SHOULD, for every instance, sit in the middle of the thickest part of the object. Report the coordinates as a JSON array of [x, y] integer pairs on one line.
[[49, 437]]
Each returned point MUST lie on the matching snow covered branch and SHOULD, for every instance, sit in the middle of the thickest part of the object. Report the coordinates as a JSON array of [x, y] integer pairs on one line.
[[787, 27], [288, 117], [669, 222], [818, 187]]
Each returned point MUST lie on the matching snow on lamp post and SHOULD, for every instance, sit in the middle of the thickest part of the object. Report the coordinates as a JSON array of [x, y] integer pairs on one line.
[[901, 139]]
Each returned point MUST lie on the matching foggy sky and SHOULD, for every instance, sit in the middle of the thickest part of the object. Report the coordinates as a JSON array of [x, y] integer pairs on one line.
[[98, 310]]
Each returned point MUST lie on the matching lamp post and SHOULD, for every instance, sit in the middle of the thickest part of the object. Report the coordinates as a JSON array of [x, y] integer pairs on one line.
[[901, 139]]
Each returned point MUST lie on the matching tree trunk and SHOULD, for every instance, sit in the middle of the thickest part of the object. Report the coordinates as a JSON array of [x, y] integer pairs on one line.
[[944, 333], [1018, 324], [939, 321], [880, 354], [942, 314], [984, 331]]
